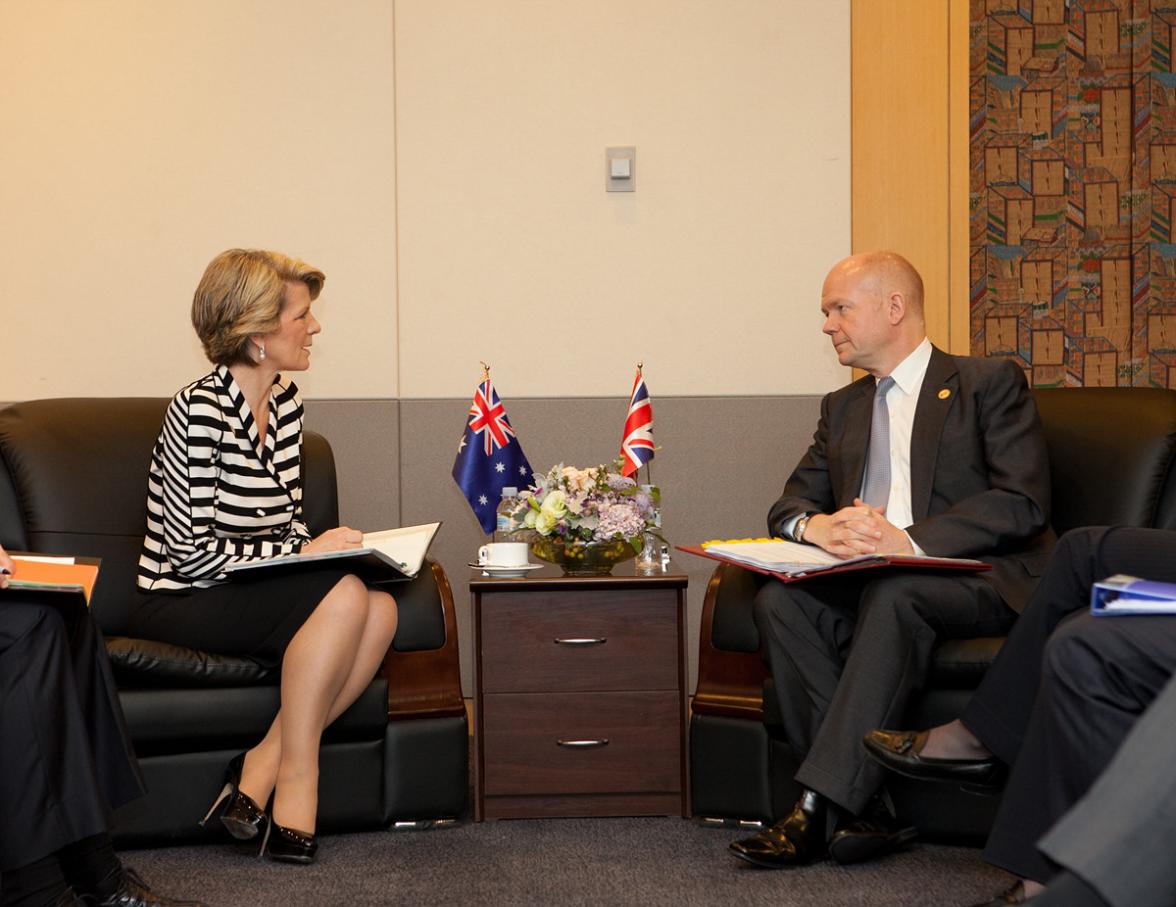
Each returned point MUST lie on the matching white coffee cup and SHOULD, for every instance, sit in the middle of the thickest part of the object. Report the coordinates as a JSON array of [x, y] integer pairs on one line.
[[503, 554]]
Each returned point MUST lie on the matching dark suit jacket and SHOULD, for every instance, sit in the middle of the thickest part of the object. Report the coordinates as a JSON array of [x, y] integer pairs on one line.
[[979, 470]]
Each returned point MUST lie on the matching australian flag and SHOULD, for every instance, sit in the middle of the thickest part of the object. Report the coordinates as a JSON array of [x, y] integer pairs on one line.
[[489, 456]]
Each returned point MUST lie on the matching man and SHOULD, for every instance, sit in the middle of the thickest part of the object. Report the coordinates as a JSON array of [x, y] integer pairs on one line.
[[929, 454], [1056, 704], [1117, 841], [66, 760]]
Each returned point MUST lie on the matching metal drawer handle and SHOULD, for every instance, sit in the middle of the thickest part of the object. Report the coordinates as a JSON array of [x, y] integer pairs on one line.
[[581, 744], [581, 641]]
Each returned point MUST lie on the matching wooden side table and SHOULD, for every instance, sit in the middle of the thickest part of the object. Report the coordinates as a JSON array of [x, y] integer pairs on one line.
[[581, 695]]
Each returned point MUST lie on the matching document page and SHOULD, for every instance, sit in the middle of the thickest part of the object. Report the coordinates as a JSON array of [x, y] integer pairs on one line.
[[779, 556], [407, 545]]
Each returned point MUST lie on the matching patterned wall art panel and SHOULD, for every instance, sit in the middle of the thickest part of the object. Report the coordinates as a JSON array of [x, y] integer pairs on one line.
[[1073, 189]]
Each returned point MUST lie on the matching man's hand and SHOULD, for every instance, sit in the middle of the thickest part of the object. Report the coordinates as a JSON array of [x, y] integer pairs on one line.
[[6, 568], [855, 530], [339, 539]]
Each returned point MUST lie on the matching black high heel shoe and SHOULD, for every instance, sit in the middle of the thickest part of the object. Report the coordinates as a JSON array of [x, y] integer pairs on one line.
[[242, 817], [288, 845]]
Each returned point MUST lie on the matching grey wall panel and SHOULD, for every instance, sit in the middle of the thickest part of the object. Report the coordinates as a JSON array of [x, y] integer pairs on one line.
[[365, 436], [722, 462]]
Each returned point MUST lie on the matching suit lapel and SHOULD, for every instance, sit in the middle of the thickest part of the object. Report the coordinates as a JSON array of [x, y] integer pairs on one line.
[[936, 398], [855, 440]]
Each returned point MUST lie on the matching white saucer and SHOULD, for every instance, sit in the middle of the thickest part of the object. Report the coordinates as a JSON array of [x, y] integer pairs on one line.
[[507, 572]]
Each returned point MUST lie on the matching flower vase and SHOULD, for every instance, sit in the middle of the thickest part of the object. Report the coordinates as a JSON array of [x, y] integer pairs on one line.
[[579, 558]]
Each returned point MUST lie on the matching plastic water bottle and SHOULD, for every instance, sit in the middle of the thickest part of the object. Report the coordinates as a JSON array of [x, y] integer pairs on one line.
[[504, 524]]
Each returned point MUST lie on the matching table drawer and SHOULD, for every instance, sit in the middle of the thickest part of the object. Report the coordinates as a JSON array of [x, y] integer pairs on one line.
[[577, 641], [522, 753]]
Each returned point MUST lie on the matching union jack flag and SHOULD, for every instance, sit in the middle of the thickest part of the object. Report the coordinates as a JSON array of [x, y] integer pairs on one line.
[[637, 443], [495, 460]]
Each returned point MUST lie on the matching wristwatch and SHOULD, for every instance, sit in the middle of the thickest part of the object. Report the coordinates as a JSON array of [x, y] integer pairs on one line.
[[800, 527]]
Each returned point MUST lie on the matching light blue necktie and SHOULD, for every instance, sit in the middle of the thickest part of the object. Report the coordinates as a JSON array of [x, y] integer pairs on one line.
[[876, 488]]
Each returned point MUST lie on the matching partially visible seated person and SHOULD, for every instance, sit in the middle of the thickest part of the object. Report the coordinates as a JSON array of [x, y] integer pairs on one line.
[[66, 757], [1115, 845], [1056, 704], [225, 487], [928, 453]]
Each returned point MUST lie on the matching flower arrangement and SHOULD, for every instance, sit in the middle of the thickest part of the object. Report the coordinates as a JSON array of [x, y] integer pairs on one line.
[[591, 505]]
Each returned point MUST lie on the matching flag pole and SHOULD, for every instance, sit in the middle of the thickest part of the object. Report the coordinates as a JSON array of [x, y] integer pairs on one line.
[[485, 372]]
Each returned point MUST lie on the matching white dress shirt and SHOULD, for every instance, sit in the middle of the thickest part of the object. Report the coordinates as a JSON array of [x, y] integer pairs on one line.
[[901, 401]]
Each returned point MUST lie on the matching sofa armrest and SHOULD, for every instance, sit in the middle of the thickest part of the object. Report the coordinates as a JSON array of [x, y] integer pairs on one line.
[[730, 681], [426, 683]]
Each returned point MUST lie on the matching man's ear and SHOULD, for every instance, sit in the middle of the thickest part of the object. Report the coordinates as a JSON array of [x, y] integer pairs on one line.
[[896, 308]]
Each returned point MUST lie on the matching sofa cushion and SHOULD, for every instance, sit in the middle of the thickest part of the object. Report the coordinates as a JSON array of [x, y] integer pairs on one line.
[[190, 720], [1110, 455], [146, 663]]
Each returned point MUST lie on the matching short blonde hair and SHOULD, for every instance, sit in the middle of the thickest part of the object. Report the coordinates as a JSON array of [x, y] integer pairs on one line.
[[241, 294]]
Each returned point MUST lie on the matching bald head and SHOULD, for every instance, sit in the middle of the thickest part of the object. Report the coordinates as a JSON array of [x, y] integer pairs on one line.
[[873, 306], [885, 273]]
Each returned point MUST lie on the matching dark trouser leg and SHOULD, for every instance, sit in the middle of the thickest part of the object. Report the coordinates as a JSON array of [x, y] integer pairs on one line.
[[113, 756], [900, 619], [805, 631], [1098, 675], [58, 705], [38, 884], [999, 712]]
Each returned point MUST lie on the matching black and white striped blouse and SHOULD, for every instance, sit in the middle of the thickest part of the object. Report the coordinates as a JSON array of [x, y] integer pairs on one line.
[[212, 497]]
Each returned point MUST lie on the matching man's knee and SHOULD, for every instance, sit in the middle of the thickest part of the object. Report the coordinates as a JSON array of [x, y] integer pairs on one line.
[[769, 603], [886, 600], [24, 622], [1074, 652]]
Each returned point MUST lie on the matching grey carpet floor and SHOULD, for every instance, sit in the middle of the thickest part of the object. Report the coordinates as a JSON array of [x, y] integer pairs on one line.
[[561, 862]]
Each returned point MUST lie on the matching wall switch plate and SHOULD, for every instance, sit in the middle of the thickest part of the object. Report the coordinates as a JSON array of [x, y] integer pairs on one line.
[[620, 169]]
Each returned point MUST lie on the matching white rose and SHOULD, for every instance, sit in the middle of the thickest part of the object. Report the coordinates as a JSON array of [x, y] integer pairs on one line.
[[555, 504], [545, 522]]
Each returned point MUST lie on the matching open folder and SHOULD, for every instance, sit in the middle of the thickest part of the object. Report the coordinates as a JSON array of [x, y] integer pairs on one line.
[[386, 556], [1121, 594], [792, 562]]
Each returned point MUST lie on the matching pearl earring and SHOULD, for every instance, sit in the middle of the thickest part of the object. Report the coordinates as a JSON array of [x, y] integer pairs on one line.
[[260, 353]]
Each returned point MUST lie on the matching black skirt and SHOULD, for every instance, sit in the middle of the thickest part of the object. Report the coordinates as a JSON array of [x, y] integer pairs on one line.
[[251, 618]]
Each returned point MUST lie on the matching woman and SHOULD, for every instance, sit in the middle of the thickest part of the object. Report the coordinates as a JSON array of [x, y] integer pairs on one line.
[[67, 760], [225, 487]]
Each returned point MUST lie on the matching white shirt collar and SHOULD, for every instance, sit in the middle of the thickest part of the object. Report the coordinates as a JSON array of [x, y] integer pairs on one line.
[[908, 374]]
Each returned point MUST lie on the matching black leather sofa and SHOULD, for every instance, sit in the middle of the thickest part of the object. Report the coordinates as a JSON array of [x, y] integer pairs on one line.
[[1111, 453], [73, 476]]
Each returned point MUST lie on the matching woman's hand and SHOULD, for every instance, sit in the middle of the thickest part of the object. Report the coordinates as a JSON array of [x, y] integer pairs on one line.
[[6, 568], [339, 539]]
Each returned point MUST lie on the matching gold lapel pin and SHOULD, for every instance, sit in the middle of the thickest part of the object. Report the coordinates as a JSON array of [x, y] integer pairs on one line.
[[944, 393]]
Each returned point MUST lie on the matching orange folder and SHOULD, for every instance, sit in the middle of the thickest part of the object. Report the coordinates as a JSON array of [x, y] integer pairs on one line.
[[40, 576]]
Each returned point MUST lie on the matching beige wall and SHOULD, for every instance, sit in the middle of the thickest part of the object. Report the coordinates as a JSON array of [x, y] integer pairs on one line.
[[512, 252], [140, 138], [442, 161]]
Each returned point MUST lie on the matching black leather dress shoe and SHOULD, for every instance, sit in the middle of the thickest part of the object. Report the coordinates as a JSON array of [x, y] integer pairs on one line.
[[869, 837], [900, 752], [1013, 895], [796, 841], [132, 891]]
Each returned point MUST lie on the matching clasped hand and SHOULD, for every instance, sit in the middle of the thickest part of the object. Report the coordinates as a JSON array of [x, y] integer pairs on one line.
[[856, 530], [338, 539]]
